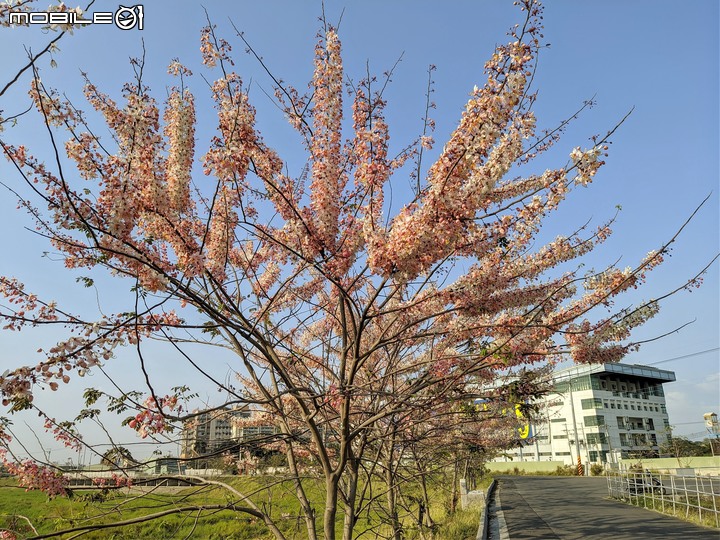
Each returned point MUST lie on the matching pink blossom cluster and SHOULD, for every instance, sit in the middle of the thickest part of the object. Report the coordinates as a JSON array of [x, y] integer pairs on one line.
[[328, 176], [32, 476], [587, 163], [64, 434], [213, 49], [373, 169], [79, 353], [152, 419], [333, 397], [462, 181], [180, 130], [28, 311], [245, 462], [115, 480]]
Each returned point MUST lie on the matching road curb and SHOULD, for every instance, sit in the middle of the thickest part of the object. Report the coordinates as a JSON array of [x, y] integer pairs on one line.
[[483, 529]]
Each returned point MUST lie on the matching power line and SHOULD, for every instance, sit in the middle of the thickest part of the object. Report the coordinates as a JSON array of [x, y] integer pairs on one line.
[[684, 356]]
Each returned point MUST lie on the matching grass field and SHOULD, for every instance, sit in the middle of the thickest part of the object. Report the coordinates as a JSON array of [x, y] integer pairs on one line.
[[19, 509]]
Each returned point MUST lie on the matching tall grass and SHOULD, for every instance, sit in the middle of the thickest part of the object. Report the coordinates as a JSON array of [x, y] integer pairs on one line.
[[18, 506]]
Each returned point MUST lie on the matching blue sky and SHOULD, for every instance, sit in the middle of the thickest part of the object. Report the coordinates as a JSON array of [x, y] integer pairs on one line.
[[659, 58]]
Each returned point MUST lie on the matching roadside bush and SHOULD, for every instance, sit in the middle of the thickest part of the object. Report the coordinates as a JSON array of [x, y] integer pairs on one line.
[[565, 470]]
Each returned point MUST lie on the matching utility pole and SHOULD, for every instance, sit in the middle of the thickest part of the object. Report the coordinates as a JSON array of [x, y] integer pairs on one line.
[[713, 427], [610, 448], [572, 412]]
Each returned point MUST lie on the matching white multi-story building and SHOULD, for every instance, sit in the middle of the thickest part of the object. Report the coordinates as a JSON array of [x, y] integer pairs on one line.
[[600, 413], [213, 430], [210, 431], [250, 433]]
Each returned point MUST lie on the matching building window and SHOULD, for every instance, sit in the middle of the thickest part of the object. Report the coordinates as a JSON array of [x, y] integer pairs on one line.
[[562, 453], [639, 440], [596, 438], [583, 383], [597, 420], [563, 436], [557, 420], [591, 403]]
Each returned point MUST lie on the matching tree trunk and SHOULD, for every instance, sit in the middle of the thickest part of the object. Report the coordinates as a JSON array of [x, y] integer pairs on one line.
[[424, 519], [350, 497], [424, 509], [331, 493], [391, 491], [454, 489], [308, 510]]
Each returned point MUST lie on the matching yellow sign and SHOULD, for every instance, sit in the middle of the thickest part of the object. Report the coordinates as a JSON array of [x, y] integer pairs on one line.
[[524, 430]]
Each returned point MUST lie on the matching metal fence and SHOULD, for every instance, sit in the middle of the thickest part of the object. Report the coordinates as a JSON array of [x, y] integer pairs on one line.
[[696, 497]]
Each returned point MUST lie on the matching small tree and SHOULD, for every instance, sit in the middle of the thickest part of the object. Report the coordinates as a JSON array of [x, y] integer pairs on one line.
[[682, 447], [361, 336]]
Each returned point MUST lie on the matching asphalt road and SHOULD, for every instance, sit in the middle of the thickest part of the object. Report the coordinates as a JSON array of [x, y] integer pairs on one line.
[[552, 508]]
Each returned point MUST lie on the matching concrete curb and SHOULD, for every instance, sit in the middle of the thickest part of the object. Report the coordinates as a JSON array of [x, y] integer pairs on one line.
[[482, 533]]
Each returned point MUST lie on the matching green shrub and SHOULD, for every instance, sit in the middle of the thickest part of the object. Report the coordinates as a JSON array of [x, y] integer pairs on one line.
[[565, 470]]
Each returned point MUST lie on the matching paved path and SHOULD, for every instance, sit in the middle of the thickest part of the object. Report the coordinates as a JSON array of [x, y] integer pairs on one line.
[[551, 508]]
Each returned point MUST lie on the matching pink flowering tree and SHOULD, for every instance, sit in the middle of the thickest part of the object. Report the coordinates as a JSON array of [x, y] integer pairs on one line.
[[359, 335]]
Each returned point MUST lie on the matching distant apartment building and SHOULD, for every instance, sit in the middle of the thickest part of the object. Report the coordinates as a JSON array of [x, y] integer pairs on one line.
[[211, 431], [601, 413], [249, 433]]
